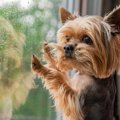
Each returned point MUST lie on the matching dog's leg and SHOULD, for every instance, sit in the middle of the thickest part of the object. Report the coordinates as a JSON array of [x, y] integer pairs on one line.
[[48, 57], [66, 99]]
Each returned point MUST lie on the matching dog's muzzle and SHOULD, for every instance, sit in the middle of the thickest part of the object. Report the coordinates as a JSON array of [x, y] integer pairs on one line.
[[68, 50]]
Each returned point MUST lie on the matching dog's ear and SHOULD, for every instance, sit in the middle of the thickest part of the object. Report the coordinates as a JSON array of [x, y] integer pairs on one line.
[[65, 15], [113, 19]]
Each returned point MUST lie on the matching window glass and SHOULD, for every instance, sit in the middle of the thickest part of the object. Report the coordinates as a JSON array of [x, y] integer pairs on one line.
[[24, 25]]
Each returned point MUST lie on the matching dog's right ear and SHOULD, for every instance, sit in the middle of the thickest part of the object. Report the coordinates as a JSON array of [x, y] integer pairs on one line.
[[65, 15]]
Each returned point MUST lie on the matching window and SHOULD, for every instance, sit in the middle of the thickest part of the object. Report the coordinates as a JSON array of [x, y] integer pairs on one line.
[[24, 25]]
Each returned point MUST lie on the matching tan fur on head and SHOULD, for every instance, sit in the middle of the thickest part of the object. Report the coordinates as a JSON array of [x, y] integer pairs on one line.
[[99, 59]]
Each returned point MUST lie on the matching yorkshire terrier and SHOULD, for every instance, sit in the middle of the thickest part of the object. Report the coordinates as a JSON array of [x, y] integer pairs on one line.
[[91, 46]]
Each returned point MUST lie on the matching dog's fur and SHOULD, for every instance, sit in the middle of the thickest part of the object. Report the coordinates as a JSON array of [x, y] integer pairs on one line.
[[91, 94]]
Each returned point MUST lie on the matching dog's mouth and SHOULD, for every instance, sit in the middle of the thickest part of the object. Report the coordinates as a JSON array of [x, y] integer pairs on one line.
[[69, 55]]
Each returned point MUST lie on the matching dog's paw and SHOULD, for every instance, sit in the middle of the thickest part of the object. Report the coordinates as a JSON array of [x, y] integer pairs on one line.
[[46, 47], [36, 65]]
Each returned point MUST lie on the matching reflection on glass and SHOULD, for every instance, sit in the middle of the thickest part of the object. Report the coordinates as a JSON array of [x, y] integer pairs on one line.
[[24, 25]]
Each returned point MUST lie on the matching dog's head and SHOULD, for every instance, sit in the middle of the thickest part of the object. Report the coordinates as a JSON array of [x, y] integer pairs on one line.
[[90, 44]]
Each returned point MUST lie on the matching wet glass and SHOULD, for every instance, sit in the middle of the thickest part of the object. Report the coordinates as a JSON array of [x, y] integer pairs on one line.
[[24, 25]]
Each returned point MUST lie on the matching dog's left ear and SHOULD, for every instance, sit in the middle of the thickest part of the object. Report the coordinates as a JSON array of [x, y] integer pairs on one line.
[[65, 15], [113, 19]]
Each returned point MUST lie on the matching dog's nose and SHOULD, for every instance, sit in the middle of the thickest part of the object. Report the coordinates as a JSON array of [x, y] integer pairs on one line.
[[68, 49]]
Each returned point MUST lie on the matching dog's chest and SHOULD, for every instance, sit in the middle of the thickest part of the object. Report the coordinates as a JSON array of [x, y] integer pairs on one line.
[[80, 82]]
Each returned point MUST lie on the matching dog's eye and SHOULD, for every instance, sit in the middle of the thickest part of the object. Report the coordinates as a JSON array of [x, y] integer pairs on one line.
[[67, 38], [87, 40]]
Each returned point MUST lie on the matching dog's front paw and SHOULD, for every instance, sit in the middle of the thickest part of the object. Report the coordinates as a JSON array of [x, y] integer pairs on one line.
[[36, 65], [46, 47]]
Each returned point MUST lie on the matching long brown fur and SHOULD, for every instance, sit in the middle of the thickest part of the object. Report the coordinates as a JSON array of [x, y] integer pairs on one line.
[[58, 85], [100, 59]]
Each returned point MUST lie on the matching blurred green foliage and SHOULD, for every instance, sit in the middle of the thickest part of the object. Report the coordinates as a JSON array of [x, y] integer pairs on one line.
[[38, 22]]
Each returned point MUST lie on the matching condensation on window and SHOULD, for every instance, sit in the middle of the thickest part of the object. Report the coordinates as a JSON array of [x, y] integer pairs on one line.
[[24, 25]]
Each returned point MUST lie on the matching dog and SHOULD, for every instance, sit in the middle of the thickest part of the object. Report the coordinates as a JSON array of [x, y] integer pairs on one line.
[[91, 46]]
